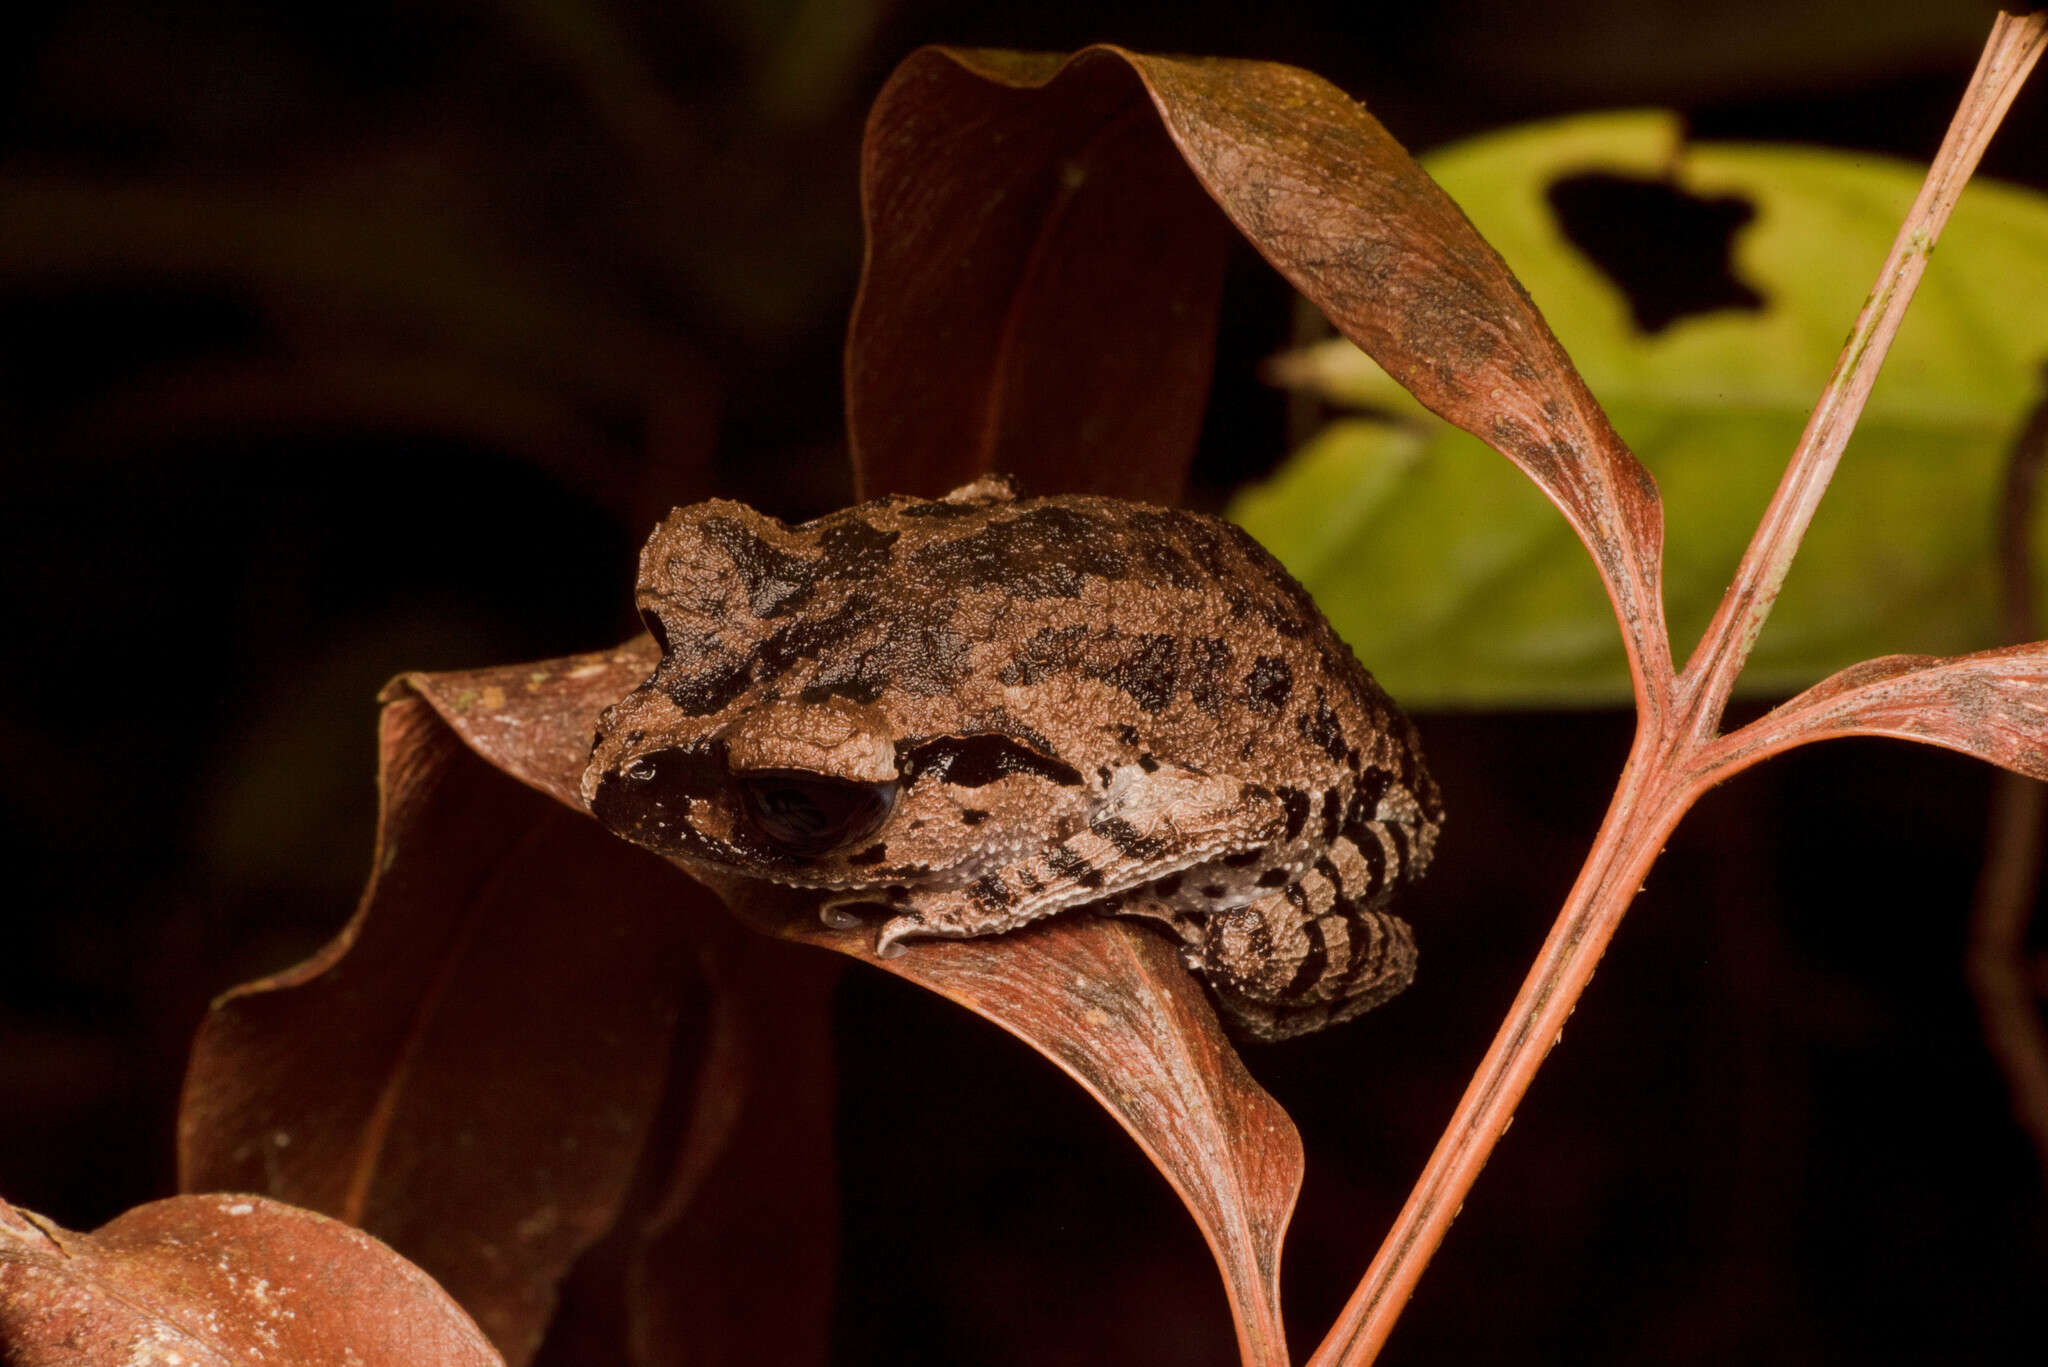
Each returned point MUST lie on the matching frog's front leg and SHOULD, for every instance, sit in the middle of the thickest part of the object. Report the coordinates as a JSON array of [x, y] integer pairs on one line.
[[1152, 825]]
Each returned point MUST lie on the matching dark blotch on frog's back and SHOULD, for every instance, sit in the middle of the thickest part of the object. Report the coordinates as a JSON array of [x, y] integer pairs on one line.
[[1320, 726], [1043, 552], [851, 548], [1169, 538], [778, 582], [977, 761], [916, 650], [814, 637], [1269, 683], [710, 689], [1205, 671], [1149, 671], [1295, 803]]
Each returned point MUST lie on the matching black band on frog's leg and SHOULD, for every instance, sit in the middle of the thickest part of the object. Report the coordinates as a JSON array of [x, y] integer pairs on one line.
[[1334, 962]]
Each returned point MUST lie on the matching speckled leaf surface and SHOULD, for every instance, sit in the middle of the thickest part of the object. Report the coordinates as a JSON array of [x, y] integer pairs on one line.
[[221, 1281], [1993, 705]]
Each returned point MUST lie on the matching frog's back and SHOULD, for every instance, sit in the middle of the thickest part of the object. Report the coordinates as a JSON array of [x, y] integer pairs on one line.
[[1174, 623]]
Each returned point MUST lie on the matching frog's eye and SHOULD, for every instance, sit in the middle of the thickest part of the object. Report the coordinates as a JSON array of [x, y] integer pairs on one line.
[[806, 815]]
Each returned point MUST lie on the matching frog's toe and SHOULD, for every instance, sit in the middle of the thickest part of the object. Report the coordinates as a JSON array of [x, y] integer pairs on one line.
[[962, 917], [889, 944], [837, 916], [851, 912]]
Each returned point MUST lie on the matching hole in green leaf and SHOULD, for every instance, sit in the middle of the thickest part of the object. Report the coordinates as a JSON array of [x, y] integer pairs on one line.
[[1667, 250]]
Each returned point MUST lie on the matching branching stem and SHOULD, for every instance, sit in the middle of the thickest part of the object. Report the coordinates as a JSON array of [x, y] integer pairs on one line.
[[1663, 776], [1708, 678]]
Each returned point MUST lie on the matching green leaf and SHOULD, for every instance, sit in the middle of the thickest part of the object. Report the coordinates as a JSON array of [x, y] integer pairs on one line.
[[1458, 584]]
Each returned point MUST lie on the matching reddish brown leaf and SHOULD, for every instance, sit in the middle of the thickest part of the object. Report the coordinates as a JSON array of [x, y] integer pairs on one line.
[[1105, 1001], [976, 279], [221, 1281], [535, 722], [1993, 704], [1108, 1002], [469, 1069], [1040, 290], [510, 989]]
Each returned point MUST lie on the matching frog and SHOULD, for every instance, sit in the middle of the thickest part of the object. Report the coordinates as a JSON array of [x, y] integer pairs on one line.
[[953, 717]]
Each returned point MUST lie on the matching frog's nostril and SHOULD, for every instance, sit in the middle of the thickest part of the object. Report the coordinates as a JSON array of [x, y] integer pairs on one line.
[[649, 799]]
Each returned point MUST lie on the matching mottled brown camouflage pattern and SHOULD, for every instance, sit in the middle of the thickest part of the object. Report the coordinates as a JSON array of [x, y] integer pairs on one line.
[[977, 711]]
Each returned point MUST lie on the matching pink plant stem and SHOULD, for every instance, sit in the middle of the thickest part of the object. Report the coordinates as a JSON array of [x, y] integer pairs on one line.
[[1629, 839], [1661, 779], [2009, 55]]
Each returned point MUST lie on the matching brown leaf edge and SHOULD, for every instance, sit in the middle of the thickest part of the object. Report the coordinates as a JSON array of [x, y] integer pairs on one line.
[[1312, 181], [220, 1281], [1106, 1002], [1992, 704], [470, 1070]]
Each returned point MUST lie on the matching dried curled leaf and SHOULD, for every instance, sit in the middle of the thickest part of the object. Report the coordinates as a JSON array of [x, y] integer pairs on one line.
[[725, 1249], [1109, 1004], [1040, 290], [1304, 172], [734, 1260], [502, 933], [1105, 1001], [1993, 704], [472, 1068], [221, 1281]]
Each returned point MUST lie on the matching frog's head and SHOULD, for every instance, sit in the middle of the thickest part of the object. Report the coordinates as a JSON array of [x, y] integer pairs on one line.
[[814, 718]]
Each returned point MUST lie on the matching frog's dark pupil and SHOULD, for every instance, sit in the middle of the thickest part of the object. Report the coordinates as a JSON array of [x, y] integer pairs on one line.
[[806, 815]]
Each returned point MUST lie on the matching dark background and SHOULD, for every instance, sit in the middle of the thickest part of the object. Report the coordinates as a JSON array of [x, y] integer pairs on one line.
[[350, 339]]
